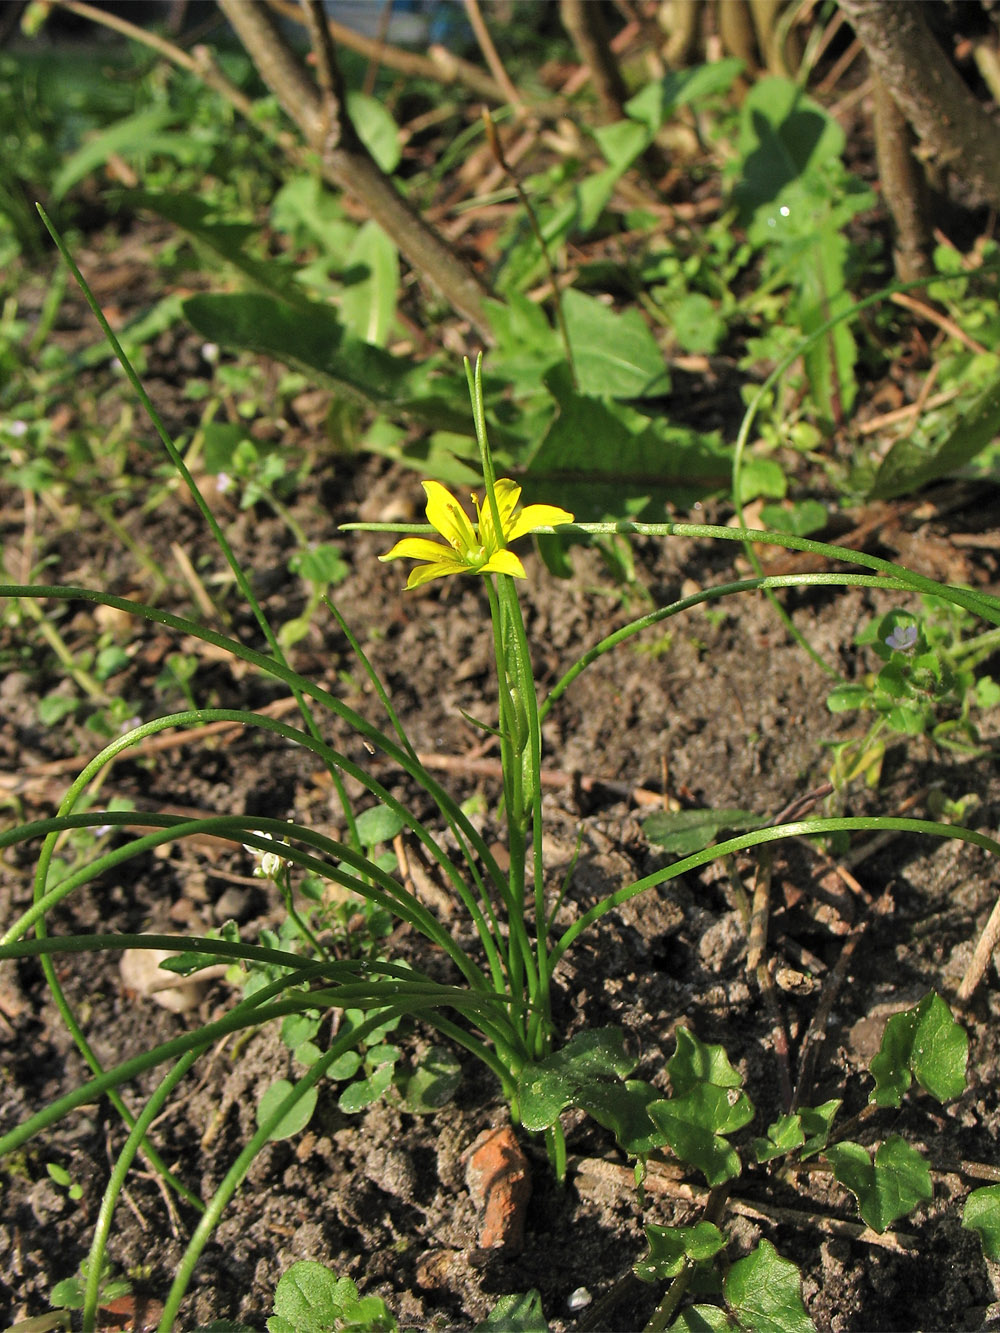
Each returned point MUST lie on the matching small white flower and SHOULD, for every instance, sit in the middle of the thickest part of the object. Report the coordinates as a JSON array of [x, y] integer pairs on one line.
[[223, 482], [902, 639], [210, 353], [269, 864], [17, 428]]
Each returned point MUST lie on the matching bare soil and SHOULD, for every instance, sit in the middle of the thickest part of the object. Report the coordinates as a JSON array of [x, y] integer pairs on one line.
[[724, 710]]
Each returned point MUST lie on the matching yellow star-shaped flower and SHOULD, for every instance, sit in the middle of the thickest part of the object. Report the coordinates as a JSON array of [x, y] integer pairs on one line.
[[473, 548]]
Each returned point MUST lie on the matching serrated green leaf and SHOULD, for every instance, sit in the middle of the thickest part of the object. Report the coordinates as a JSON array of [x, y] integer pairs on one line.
[[695, 1062], [694, 1125], [294, 1120], [670, 1248], [925, 1043], [685, 831], [764, 1292], [982, 1214], [886, 1188], [515, 1314]]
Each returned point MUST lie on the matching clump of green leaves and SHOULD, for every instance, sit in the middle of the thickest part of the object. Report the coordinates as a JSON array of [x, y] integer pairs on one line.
[[928, 685]]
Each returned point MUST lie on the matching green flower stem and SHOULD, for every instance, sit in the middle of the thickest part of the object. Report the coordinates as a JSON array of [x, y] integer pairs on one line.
[[449, 809], [708, 595], [529, 762], [177, 461], [803, 828], [230, 1183], [116, 1183], [983, 604]]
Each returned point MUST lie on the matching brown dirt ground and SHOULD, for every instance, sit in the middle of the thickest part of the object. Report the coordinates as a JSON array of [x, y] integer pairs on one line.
[[729, 713]]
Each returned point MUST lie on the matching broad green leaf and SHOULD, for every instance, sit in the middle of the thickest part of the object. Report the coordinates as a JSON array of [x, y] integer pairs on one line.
[[694, 1125], [364, 1092], [605, 459], [846, 698], [783, 135], [670, 1248], [695, 1062], [762, 476], [368, 304], [982, 1214], [783, 1136], [614, 355], [887, 1188], [817, 1121], [799, 518], [378, 824], [685, 831], [924, 1042], [294, 1120], [909, 465], [654, 105], [545, 1089], [764, 1292], [311, 1299], [134, 132], [515, 1314], [622, 1107]]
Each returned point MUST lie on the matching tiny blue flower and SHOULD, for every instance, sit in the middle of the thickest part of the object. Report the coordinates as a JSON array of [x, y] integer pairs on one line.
[[903, 638]]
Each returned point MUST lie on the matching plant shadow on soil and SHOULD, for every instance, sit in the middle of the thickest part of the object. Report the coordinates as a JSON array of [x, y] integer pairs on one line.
[[732, 713]]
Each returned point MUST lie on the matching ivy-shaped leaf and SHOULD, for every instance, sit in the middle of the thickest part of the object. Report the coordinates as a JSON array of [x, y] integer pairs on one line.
[[670, 1248], [587, 1060], [764, 1292], [515, 1314], [695, 1062], [808, 1129], [887, 1188], [694, 1126], [982, 1214], [925, 1043]]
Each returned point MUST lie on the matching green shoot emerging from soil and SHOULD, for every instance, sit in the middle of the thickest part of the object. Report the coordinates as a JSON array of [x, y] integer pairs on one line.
[[498, 1005]]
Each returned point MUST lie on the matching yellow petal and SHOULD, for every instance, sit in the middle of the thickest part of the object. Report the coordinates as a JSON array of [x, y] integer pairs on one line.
[[507, 494], [419, 548], [504, 562], [537, 516], [424, 573], [447, 515]]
